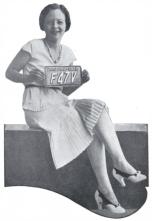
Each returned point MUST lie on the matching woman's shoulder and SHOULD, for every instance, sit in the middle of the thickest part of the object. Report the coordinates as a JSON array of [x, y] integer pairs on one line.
[[68, 55], [67, 50], [32, 45], [35, 41]]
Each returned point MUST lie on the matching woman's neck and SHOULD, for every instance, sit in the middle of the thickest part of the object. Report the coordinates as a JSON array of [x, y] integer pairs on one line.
[[53, 44]]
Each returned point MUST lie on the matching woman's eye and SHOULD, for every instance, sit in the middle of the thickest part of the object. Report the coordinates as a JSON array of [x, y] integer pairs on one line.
[[60, 22], [52, 23]]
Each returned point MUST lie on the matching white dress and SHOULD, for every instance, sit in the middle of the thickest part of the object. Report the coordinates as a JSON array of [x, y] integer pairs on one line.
[[69, 123]]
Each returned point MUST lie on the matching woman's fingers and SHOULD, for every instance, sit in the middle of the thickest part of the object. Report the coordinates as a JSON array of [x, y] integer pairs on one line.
[[37, 74], [85, 75]]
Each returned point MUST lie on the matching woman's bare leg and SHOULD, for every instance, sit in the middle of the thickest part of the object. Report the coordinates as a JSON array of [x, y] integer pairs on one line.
[[96, 154], [106, 132]]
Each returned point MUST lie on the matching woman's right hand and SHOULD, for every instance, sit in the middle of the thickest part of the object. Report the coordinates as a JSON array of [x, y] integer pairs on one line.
[[35, 76]]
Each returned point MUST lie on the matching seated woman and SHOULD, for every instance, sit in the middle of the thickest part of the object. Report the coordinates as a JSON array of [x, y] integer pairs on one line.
[[72, 125]]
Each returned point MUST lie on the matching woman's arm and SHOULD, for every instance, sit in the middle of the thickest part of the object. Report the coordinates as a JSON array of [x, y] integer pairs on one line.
[[84, 77], [18, 63], [69, 90]]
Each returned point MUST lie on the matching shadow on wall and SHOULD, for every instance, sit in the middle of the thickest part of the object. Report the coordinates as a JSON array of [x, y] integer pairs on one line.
[[28, 162]]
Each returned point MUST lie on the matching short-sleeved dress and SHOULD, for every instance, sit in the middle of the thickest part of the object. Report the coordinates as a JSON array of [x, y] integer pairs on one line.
[[69, 123]]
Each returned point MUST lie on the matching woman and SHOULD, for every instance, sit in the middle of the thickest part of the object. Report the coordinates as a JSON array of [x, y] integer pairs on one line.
[[72, 125]]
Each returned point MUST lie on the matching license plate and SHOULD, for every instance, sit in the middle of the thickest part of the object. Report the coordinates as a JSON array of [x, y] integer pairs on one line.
[[62, 75]]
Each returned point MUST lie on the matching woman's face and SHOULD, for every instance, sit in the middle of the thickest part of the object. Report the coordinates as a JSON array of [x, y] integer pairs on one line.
[[54, 24]]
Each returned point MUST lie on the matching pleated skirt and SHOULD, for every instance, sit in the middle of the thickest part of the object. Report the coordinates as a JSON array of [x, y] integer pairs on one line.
[[70, 127]]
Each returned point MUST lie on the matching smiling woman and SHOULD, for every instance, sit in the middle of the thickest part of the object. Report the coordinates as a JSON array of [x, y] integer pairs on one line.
[[71, 125]]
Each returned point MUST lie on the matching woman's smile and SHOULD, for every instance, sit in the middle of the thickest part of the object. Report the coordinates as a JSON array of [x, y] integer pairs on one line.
[[55, 32]]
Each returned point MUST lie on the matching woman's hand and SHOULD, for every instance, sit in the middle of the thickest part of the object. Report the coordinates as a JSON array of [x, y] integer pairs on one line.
[[35, 76], [85, 76]]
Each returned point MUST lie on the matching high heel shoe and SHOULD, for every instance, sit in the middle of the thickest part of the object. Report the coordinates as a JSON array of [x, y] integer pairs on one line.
[[134, 178], [105, 204]]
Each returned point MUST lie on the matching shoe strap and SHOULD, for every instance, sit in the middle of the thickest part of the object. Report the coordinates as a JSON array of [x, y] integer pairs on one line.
[[126, 175], [106, 201]]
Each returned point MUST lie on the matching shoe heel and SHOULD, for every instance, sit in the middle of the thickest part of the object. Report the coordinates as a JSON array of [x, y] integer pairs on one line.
[[98, 200], [119, 178], [106, 205], [134, 178]]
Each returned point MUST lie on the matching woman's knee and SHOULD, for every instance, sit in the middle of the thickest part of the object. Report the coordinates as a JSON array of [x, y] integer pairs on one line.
[[29, 119], [104, 105]]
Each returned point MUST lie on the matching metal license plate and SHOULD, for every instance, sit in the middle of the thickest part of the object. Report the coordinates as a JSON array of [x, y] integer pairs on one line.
[[62, 75]]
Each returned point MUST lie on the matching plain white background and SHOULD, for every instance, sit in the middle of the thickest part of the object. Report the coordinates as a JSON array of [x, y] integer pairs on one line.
[[112, 39]]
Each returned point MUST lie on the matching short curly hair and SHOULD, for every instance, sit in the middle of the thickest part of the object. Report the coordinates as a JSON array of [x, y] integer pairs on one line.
[[54, 6]]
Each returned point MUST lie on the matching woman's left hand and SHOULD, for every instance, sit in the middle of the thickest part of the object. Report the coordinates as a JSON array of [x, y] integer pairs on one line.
[[85, 76]]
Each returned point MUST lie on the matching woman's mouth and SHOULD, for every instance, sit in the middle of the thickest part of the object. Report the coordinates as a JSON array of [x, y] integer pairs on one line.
[[55, 32]]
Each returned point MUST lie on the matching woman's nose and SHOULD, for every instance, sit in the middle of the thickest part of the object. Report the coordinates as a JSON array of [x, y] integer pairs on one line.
[[55, 24]]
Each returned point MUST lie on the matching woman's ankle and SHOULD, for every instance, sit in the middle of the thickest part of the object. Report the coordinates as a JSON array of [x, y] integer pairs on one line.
[[109, 195], [124, 166]]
